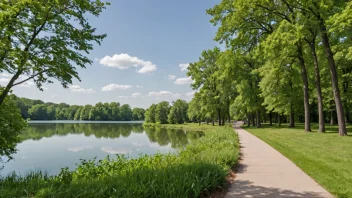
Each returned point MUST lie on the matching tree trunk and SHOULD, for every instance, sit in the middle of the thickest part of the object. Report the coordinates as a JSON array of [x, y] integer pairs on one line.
[[334, 79], [253, 119], [332, 121], [213, 123], [258, 119], [305, 88], [248, 120], [292, 118], [199, 123], [318, 87], [8, 87], [219, 117], [279, 119], [271, 118]]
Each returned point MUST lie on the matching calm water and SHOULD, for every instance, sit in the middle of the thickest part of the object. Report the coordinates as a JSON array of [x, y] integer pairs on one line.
[[52, 146]]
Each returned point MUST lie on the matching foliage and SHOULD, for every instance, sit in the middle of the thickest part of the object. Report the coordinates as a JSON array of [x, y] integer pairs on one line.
[[38, 110], [161, 112], [197, 170], [150, 114], [11, 125], [45, 40], [178, 112]]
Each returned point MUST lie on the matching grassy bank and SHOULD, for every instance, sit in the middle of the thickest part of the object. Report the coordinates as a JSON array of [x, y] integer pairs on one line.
[[195, 171], [325, 157]]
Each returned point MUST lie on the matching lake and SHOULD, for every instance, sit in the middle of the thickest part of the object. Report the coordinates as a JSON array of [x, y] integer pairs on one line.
[[52, 145]]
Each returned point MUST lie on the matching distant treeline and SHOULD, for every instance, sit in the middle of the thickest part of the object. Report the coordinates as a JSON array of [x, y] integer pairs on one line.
[[39, 110], [164, 113]]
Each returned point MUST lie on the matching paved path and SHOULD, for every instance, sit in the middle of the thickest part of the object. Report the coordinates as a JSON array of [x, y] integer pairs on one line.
[[264, 172]]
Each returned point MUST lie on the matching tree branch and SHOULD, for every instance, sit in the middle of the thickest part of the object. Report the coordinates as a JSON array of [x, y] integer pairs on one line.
[[31, 77]]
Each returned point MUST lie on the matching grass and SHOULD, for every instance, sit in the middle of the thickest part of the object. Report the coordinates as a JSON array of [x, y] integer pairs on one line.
[[197, 170], [326, 157]]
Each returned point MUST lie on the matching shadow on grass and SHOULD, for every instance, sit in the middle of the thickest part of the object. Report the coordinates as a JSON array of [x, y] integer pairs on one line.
[[300, 126]]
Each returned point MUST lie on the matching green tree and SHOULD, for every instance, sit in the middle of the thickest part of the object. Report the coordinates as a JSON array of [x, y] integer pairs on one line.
[[11, 125], [126, 112], [38, 112], [150, 114], [56, 37], [178, 112], [138, 113], [161, 112]]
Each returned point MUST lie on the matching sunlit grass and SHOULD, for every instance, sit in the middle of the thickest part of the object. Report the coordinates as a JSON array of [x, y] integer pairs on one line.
[[326, 157], [198, 169]]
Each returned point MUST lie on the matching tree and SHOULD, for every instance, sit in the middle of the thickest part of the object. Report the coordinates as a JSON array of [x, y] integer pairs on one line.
[[11, 125], [161, 112], [138, 113], [178, 112], [126, 112], [38, 112], [150, 114], [115, 111], [42, 40], [194, 111]]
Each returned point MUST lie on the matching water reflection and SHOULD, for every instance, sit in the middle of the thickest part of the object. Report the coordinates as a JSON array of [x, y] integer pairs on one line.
[[162, 136], [99, 130], [50, 147]]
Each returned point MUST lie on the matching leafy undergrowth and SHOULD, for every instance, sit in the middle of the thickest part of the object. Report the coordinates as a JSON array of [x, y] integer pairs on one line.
[[326, 157], [195, 171]]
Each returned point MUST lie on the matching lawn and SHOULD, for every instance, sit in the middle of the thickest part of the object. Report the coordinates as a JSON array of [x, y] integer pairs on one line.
[[195, 171], [326, 157]]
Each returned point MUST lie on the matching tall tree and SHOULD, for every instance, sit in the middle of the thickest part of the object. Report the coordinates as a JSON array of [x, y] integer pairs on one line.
[[45, 40], [161, 112]]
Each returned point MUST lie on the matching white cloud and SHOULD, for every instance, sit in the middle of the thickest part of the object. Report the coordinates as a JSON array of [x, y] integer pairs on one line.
[[6, 75], [44, 88], [184, 66], [160, 93], [137, 86], [183, 81], [4, 80], [125, 61], [78, 89], [136, 95], [176, 95], [26, 84], [55, 95], [113, 87], [123, 97], [172, 77], [190, 94]]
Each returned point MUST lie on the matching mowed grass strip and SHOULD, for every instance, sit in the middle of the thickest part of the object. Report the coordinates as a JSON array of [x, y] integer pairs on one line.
[[326, 157]]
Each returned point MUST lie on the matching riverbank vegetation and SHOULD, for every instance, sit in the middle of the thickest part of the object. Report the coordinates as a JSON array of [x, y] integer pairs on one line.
[[324, 157], [196, 170], [39, 110]]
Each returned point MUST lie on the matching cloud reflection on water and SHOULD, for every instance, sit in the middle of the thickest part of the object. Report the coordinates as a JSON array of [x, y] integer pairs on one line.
[[115, 151], [80, 148]]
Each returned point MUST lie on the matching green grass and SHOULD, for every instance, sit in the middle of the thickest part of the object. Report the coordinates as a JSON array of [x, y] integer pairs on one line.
[[327, 157], [195, 171]]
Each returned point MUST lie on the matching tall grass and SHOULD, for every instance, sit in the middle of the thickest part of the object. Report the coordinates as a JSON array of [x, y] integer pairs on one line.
[[194, 171]]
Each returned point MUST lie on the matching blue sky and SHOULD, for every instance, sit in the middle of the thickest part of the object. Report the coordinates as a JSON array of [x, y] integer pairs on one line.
[[146, 42]]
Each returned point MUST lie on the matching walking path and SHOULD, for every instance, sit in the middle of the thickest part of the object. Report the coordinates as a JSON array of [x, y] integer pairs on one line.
[[264, 172]]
